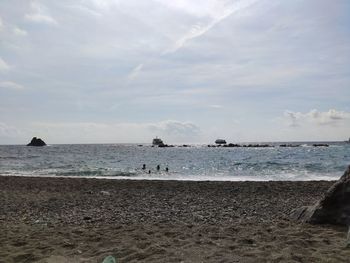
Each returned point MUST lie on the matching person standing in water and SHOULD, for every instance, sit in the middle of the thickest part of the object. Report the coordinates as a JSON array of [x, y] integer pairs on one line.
[[158, 167], [143, 167]]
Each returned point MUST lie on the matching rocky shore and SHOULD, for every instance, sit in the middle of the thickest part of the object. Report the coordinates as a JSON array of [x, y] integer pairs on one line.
[[84, 220]]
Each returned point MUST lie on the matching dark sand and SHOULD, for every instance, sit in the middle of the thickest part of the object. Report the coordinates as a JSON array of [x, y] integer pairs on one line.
[[84, 220]]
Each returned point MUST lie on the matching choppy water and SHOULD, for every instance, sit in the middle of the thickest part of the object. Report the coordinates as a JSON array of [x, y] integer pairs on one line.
[[191, 163]]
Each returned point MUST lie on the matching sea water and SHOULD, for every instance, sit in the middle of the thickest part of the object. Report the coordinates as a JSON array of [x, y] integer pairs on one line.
[[198, 162]]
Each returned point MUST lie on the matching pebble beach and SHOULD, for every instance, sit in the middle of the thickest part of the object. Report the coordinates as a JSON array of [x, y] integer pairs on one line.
[[85, 220]]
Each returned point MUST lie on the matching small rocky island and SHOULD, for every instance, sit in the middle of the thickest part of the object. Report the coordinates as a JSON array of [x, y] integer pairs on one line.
[[36, 142]]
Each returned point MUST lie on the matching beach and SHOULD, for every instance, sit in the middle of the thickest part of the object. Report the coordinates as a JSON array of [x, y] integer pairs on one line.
[[84, 220]]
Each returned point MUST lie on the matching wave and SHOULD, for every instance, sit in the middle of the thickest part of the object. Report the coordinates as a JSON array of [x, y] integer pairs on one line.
[[94, 173], [18, 157]]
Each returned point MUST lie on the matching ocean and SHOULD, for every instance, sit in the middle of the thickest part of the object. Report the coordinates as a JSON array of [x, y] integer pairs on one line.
[[198, 162]]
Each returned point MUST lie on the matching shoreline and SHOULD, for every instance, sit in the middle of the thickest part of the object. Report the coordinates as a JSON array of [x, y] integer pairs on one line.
[[84, 220], [179, 179]]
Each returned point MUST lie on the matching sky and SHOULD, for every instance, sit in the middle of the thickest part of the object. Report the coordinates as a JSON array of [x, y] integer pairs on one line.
[[188, 71]]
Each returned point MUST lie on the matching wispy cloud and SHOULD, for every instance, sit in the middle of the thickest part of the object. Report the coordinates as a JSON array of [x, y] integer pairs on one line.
[[40, 14], [3, 65], [215, 106], [199, 29], [133, 74], [19, 32], [10, 85]]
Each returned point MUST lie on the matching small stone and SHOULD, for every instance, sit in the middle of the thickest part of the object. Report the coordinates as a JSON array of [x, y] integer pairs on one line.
[[109, 259]]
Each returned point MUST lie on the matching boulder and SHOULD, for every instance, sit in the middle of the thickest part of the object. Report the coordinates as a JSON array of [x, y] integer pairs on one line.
[[36, 142], [333, 208]]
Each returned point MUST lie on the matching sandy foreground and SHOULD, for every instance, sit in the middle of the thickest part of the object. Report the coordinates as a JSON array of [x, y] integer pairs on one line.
[[85, 220]]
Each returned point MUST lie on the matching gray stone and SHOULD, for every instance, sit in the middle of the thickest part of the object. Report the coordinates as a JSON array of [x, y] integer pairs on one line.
[[333, 208]]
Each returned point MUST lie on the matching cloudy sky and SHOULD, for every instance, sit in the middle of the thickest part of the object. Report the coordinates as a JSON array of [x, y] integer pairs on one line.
[[110, 71]]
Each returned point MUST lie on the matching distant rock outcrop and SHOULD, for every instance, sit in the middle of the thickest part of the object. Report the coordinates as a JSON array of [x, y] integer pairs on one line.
[[320, 145], [220, 141], [36, 142], [333, 208]]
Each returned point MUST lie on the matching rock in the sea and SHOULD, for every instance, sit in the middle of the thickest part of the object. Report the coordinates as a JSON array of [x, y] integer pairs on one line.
[[320, 145], [333, 208], [36, 142]]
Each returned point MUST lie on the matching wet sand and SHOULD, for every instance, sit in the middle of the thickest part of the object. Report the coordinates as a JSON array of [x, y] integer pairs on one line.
[[84, 220]]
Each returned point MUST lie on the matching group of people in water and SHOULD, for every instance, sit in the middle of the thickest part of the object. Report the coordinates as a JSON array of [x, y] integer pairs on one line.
[[158, 168]]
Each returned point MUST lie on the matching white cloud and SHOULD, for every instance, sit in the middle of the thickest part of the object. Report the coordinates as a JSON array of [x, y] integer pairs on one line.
[[133, 74], [86, 10], [331, 117], [3, 65], [103, 4], [292, 118], [40, 14], [10, 85], [19, 32], [16, 30], [40, 18], [221, 12], [176, 129], [204, 8]]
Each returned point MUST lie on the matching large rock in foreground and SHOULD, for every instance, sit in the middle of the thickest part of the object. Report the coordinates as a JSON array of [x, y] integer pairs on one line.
[[333, 208], [36, 142]]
